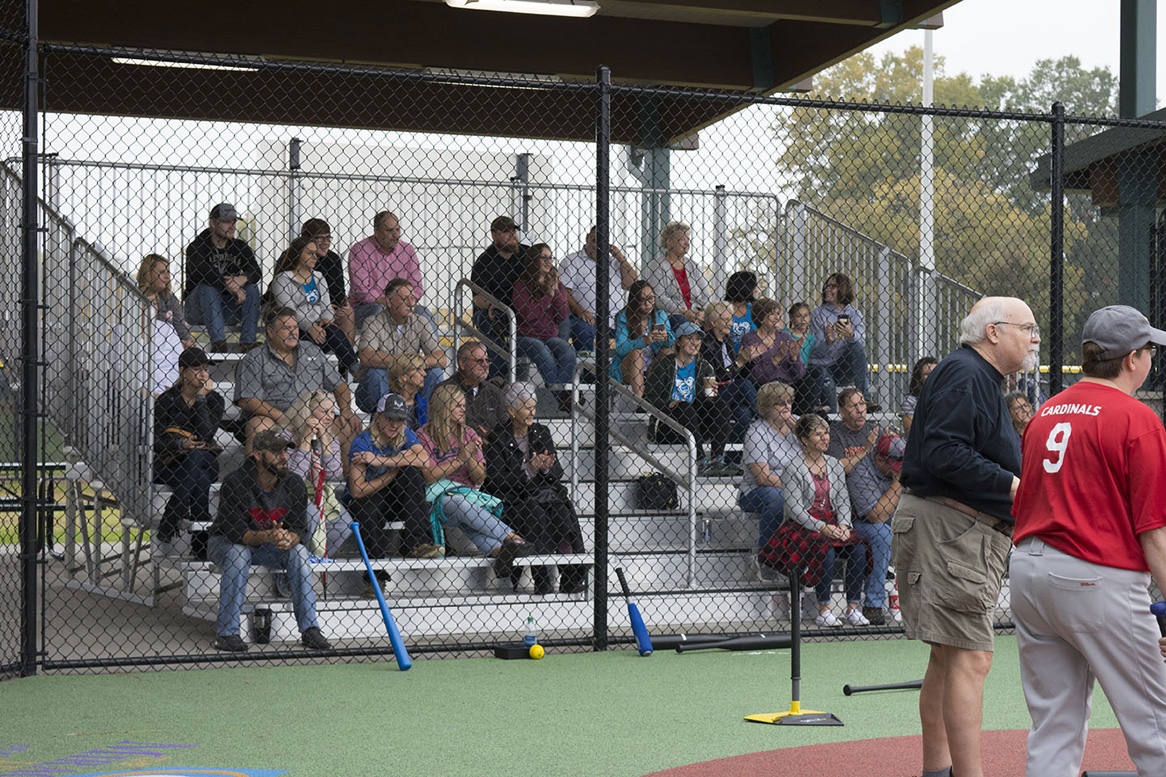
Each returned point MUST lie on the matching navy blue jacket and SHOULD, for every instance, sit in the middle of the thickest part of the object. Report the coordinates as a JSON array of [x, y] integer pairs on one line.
[[962, 443]]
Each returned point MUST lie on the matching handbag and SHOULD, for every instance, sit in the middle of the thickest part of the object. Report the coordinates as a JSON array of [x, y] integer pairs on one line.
[[655, 491]]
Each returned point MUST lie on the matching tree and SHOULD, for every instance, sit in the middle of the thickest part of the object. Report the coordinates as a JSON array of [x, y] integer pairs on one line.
[[862, 168]]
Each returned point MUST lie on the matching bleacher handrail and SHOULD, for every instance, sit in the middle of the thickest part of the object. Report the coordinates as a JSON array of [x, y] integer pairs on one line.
[[511, 351]]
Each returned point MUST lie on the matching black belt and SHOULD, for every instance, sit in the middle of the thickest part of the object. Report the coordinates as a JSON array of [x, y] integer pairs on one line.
[[991, 521]]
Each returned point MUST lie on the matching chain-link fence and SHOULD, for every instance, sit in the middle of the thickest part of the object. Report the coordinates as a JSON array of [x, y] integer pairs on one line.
[[818, 246]]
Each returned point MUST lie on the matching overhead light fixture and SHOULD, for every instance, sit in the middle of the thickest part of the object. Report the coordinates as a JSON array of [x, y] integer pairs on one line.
[[577, 8], [177, 62]]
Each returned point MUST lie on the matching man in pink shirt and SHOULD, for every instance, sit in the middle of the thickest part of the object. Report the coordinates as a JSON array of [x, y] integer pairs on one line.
[[378, 259]]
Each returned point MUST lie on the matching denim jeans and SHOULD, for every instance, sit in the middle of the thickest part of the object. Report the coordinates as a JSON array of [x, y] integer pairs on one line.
[[190, 477], [216, 308], [878, 537], [480, 525], [554, 357], [336, 342], [740, 397], [376, 384], [582, 334], [855, 557], [769, 503], [848, 370], [235, 562]]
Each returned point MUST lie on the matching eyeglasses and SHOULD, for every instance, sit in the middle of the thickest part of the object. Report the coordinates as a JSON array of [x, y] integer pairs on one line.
[[323, 238], [1033, 330]]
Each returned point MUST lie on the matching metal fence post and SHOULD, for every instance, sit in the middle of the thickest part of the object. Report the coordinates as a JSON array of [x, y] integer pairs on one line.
[[1057, 251], [602, 392], [30, 367]]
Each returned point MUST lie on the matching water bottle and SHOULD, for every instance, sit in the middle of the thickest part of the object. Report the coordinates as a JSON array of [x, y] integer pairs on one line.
[[530, 639]]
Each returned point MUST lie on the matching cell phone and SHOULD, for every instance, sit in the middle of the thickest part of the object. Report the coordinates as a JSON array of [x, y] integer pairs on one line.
[[657, 327], [844, 320]]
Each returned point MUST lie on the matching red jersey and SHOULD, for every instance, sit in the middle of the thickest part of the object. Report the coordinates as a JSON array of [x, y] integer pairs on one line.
[[1092, 476]]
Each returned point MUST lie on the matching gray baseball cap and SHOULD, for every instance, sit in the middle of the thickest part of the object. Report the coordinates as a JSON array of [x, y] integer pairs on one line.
[[393, 406], [1119, 329]]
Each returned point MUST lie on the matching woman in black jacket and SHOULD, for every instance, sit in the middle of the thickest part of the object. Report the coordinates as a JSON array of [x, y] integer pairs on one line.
[[523, 471]]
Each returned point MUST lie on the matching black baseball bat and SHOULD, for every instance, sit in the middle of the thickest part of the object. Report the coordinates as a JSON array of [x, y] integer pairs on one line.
[[670, 641], [762, 642], [847, 690], [399, 650]]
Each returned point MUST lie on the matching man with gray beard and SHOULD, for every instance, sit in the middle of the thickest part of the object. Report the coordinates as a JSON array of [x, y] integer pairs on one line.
[[951, 534]]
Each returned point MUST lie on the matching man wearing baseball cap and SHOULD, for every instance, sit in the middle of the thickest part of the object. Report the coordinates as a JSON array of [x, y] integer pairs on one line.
[[222, 280], [1090, 531], [263, 519], [495, 270], [186, 416]]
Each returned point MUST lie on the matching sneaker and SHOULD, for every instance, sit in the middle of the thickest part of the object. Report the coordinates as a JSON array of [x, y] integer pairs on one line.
[[855, 617], [230, 643], [248, 347], [281, 585], [427, 550], [828, 618], [510, 550], [722, 469], [313, 639], [875, 615], [896, 616], [220, 346]]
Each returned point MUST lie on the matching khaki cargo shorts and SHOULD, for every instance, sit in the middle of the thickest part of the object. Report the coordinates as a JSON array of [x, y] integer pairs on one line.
[[949, 568]]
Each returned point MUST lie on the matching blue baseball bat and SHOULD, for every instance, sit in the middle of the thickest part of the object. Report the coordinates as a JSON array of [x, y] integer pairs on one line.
[[643, 641], [399, 650]]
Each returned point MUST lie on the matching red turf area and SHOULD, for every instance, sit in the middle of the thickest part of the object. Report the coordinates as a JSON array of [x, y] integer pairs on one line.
[[897, 757]]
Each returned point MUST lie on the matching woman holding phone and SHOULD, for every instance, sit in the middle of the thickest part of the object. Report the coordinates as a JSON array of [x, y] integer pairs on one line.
[[642, 333], [839, 355]]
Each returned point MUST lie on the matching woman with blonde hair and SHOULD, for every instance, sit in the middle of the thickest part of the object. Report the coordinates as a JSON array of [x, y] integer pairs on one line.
[[320, 459], [681, 288], [455, 472], [407, 378], [170, 334], [770, 444]]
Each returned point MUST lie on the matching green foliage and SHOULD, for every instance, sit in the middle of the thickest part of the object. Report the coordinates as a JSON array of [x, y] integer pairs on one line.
[[990, 226]]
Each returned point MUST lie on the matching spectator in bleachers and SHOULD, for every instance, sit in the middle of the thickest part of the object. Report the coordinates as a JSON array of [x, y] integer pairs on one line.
[[642, 333], [396, 330], [262, 519], [772, 354], [377, 260], [269, 379], [454, 473], [799, 329], [919, 374], [1019, 410], [734, 388], [170, 334], [684, 386], [484, 407], [185, 453], [874, 491], [386, 483], [321, 460], [407, 378], [495, 270], [770, 445], [298, 286], [853, 441], [680, 285], [328, 264], [839, 355], [523, 470], [740, 293], [540, 302], [818, 523], [222, 280], [579, 276]]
